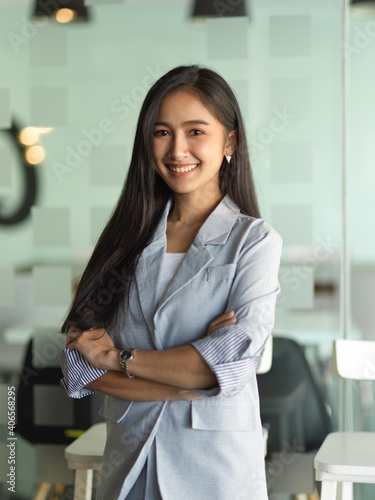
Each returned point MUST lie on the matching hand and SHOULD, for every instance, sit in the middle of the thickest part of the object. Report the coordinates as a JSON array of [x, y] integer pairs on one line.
[[72, 335], [223, 320], [96, 346], [189, 396]]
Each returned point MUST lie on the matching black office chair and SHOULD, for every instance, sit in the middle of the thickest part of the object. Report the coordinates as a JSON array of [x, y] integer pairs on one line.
[[46, 417], [293, 407]]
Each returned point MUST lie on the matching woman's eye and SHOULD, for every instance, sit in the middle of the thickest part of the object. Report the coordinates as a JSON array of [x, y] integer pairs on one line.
[[196, 132], [160, 133]]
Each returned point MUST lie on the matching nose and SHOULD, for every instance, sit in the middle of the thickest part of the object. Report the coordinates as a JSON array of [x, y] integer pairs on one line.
[[178, 147]]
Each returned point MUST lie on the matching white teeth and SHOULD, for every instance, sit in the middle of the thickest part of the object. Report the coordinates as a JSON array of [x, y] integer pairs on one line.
[[182, 169]]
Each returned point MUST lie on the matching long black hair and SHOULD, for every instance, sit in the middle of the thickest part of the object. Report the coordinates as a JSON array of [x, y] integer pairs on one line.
[[145, 194]]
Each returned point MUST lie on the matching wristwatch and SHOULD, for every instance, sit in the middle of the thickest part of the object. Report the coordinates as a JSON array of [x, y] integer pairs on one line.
[[124, 357]]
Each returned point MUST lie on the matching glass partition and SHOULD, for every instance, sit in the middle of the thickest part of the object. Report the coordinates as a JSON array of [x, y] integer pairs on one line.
[[80, 86]]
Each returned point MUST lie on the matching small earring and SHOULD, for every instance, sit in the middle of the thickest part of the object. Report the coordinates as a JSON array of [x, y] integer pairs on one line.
[[229, 157]]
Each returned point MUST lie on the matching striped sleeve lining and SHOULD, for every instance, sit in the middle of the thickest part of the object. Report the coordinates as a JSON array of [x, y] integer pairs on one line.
[[77, 373], [222, 352], [80, 393], [232, 377]]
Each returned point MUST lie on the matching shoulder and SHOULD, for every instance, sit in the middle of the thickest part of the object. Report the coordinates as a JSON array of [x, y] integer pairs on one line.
[[247, 231], [260, 245], [254, 228], [257, 229], [260, 241]]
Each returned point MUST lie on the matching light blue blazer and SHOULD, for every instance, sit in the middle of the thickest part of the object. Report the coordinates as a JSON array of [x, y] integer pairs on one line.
[[212, 448]]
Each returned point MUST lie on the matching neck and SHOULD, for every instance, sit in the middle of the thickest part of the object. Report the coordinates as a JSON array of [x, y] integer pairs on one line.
[[193, 208]]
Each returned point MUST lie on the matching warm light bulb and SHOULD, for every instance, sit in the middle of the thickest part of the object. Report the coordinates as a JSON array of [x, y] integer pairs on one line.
[[35, 155], [28, 136], [65, 15], [44, 130]]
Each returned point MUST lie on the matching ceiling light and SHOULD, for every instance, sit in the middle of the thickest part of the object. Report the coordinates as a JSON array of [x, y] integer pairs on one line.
[[62, 11], [218, 8], [362, 8], [65, 15]]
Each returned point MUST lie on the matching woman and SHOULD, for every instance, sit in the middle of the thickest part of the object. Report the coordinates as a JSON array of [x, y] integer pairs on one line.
[[152, 325]]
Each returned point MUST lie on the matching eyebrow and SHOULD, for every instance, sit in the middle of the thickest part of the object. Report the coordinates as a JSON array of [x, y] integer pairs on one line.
[[188, 123]]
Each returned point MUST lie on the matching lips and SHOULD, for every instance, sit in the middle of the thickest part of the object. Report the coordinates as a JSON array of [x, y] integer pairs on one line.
[[180, 168]]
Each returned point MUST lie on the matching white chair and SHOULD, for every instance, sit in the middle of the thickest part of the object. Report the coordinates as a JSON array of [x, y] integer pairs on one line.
[[265, 359], [348, 457], [264, 366]]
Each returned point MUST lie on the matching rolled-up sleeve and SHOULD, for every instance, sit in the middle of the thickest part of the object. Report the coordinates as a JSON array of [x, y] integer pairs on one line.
[[232, 352], [77, 373]]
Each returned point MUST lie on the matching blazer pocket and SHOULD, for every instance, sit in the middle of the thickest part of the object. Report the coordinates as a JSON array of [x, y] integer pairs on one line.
[[114, 409], [221, 273], [218, 415]]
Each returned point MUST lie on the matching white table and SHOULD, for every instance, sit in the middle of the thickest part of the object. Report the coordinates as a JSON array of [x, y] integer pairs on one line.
[[85, 455]]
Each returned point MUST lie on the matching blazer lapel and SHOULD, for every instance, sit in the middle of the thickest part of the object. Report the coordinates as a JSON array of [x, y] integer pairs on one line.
[[196, 259], [149, 270], [214, 231]]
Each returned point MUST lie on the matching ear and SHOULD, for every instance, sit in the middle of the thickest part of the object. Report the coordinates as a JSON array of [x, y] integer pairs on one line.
[[231, 143]]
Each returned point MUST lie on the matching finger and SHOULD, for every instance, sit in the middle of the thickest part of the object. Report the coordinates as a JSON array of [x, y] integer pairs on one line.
[[74, 335], [228, 322], [228, 314], [71, 337], [69, 340], [95, 333], [73, 329], [212, 328], [71, 345], [223, 317], [222, 322]]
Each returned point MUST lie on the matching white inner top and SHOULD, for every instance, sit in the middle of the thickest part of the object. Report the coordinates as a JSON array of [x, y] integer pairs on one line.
[[170, 266]]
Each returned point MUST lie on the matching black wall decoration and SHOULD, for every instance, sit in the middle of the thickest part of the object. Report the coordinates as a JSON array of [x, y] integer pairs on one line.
[[29, 188]]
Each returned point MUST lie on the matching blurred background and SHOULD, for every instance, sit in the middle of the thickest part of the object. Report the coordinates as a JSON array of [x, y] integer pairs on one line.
[[73, 76]]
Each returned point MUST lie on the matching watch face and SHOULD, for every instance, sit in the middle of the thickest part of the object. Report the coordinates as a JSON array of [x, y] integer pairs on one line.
[[126, 355]]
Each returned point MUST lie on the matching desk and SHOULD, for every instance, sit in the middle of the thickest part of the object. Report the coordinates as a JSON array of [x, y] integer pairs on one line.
[[85, 455]]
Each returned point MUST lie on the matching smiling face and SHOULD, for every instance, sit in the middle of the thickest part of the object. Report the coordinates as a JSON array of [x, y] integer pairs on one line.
[[189, 145]]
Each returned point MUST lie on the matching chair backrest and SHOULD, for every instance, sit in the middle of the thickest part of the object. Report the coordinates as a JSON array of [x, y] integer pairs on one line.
[[265, 360], [45, 414], [292, 401], [354, 359]]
